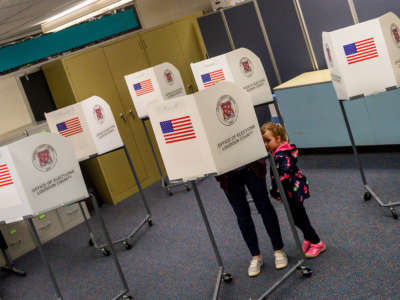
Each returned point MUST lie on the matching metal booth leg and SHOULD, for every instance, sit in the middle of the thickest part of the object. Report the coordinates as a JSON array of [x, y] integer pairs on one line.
[[165, 183], [124, 293], [278, 112], [368, 190], [92, 238], [305, 271], [44, 259], [10, 265], [221, 275]]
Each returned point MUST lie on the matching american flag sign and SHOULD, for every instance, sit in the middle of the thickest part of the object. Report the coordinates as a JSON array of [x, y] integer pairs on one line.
[[69, 127], [5, 176], [360, 51], [177, 130], [212, 78], [143, 87]]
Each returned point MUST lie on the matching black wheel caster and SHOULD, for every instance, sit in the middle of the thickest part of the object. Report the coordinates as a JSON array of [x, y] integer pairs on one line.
[[105, 251], [305, 271], [367, 196], [187, 188], [91, 244], [170, 193], [150, 222], [127, 245], [394, 213], [227, 277], [127, 297]]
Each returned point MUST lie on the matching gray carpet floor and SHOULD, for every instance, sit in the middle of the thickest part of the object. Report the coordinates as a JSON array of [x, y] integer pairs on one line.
[[173, 259]]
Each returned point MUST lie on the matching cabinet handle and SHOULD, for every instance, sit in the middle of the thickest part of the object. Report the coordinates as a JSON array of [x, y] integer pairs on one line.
[[122, 116], [15, 243], [70, 213], [45, 226], [131, 113]]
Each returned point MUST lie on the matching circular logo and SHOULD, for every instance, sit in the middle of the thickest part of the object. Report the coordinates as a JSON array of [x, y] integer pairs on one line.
[[246, 66], [395, 34], [329, 54], [169, 77], [44, 158], [227, 110], [98, 113]]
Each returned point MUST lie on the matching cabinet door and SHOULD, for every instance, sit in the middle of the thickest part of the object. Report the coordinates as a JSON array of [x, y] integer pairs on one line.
[[90, 75], [162, 45], [126, 57], [189, 37]]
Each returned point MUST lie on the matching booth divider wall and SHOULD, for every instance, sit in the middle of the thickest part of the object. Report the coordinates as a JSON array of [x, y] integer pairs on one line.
[[99, 71]]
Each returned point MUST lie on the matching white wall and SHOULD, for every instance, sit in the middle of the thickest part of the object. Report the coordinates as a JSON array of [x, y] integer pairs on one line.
[[157, 12], [14, 112]]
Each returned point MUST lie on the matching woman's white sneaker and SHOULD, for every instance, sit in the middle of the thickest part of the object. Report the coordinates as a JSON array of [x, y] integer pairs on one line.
[[281, 260], [255, 267]]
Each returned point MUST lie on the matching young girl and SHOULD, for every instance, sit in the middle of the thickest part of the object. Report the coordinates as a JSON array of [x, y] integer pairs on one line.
[[294, 183]]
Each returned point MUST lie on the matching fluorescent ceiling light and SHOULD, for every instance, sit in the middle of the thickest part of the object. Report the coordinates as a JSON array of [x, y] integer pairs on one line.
[[79, 13]]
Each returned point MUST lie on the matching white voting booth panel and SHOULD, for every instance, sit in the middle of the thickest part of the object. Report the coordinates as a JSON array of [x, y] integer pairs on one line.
[[89, 125], [158, 83], [240, 66], [37, 174], [364, 59], [210, 132]]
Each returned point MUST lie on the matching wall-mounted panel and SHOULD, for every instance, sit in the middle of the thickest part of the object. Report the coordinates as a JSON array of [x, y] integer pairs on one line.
[[369, 9], [324, 15], [214, 34], [286, 37], [246, 32]]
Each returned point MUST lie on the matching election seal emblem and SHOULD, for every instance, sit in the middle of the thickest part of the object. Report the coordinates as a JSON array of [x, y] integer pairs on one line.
[[98, 113], [395, 34], [44, 158], [169, 76], [227, 110], [246, 66]]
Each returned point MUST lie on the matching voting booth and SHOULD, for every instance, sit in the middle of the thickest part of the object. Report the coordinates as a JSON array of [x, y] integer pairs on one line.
[[158, 83], [38, 174], [210, 132], [91, 128], [240, 66], [364, 59], [89, 125]]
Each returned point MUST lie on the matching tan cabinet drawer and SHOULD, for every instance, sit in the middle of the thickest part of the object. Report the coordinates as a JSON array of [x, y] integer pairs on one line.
[[48, 226], [71, 215], [18, 238]]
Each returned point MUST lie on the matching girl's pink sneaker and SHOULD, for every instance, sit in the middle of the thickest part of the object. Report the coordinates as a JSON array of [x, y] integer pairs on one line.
[[315, 249], [306, 246]]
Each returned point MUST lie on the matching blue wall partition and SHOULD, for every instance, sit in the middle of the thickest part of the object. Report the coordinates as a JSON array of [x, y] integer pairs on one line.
[[246, 32], [214, 34], [286, 37], [368, 9], [324, 15]]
